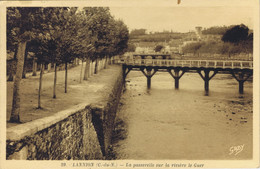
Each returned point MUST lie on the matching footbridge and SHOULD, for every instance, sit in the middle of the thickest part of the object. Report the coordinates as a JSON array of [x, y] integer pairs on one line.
[[149, 64]]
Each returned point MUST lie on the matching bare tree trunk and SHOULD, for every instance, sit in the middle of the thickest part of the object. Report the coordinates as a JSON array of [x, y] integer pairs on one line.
[[43, 68], [40, 87], [93, 67], [109, 62], [86, 73], [66, 76], [55, 80], [13, 65], [99, 64], [24, 65], [103, 62], [96, 66], [90, 68], [80, 76], [15, 113], [34, 67], [113, 60], [49, 67], [105, 66], [11, 76]]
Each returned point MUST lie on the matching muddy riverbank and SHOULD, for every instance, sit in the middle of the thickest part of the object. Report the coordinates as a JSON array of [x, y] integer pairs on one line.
[[164, 123]]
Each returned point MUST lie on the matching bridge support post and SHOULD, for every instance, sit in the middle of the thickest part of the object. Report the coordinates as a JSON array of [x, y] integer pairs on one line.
[[207, 78], [241, 87], [241, 78], [176, 76], [149, 72], [126, 70], [149, 75], [177, 83]]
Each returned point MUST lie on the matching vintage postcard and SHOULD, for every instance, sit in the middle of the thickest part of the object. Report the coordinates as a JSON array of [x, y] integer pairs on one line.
[[123, 84]]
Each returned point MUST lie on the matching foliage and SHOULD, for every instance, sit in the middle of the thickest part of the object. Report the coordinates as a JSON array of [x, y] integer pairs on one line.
[[23, 24], [61, 34], [158, 48], [192, 47], [121, 38], [218, 47], [108, 36], [216, 30], [158, 37], [236, 34], [138, 32], [236, 40], [131, 47]]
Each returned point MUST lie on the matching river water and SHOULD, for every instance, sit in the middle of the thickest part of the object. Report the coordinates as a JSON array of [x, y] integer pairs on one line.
[[165, 123]]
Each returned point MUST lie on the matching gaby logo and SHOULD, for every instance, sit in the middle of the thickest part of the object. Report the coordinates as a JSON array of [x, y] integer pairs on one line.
[[236, 149]]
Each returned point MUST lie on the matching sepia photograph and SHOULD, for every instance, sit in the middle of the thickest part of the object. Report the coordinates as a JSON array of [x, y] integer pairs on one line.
[[130, 85]]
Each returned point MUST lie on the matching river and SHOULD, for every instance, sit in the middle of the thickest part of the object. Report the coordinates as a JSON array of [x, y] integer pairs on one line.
[[165, 123]]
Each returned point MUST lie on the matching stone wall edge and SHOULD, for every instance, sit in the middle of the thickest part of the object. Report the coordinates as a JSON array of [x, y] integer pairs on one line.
[[20, 131]]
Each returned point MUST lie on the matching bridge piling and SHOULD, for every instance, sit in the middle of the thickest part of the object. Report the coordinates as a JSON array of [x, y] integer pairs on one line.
[[176, 83], [207, 78], [149, 75], [176, 76], [241, 78], [148, 79], [241, 83], [126, 70]]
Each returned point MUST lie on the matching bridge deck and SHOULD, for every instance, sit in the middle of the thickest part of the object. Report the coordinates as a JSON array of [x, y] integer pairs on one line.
[[215, 64]]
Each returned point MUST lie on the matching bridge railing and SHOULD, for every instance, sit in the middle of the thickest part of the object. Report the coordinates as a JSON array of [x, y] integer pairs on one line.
[[191, 63]]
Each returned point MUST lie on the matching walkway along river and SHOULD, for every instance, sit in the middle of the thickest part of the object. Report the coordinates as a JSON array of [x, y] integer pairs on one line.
[[165, 123]]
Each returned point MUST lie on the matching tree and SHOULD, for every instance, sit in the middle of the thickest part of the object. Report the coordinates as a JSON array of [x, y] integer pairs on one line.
[[65, 37], [236, 34], [85, 46], [131, 47], [158, 48], [59, 35], [138, 32], [44, 46], [239, 39], [99, 31], [44, 55], [192, 47], [13, 67], [121, 38], [23, 24], [108, 36], [216, 30]]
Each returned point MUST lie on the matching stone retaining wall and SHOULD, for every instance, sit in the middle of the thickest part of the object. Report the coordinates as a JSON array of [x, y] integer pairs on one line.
[[82, 132]]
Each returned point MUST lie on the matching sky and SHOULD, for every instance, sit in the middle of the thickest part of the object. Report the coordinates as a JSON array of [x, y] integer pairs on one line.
[[183, 19]]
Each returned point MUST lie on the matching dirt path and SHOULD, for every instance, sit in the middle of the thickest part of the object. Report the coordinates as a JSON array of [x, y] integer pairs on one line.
[[87, 91]]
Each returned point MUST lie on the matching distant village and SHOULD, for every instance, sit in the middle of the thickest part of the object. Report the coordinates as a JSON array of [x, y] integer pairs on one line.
[[198, 42], [176, 45]]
